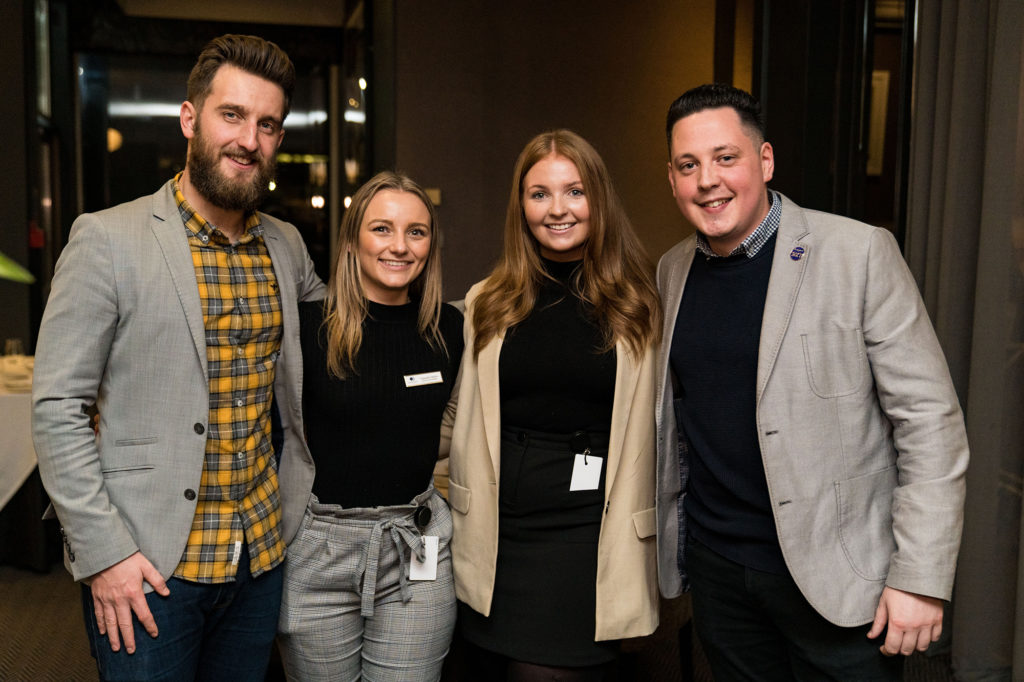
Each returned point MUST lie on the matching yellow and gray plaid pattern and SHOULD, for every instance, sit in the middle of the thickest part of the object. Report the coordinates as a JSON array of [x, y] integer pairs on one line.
[[238, 497]]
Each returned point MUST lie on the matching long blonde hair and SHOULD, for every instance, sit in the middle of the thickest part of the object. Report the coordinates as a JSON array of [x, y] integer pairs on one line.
[[346, 307], [616, 278]]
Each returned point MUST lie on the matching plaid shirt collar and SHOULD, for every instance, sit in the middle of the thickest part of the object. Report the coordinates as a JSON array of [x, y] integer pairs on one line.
[[756, 239], [206, 231]]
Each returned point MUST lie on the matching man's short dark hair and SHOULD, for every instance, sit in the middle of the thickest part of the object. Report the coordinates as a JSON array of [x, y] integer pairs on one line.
[[716, 96], [249, 53]]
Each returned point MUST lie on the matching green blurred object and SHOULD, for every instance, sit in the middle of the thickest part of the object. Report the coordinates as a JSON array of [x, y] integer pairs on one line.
[[11, 270]]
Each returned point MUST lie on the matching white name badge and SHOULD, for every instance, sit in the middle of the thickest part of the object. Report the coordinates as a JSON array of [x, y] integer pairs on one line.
[[422, 379], [586, 473], [426, 569]]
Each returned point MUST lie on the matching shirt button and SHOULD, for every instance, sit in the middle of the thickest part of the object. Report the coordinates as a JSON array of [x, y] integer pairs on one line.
[[240, 455], [199, 428], [190, 494], [240, 351], [238, 403], [241, 300]]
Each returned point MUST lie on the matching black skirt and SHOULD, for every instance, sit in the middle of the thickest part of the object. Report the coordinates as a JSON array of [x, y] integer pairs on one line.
[[544, 598]]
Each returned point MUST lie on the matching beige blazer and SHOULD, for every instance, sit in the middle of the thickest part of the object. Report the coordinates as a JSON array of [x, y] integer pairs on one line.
[[627, 593], [123, 328], [861, 434]]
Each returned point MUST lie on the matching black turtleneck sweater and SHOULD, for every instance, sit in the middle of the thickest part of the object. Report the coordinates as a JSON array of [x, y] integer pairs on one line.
[[553, 376], [375, 441]]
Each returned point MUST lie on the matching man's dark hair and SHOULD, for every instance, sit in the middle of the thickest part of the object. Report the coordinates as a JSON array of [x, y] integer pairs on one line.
[[716, 96], [249, 53]]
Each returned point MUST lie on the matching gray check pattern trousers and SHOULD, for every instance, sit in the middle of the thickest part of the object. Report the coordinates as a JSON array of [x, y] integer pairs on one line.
[[349, 612]]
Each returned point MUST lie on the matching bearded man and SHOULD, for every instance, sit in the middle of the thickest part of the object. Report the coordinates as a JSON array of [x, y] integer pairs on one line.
[[176, 315]]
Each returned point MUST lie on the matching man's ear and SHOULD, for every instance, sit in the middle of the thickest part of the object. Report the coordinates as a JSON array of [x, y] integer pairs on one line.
[[767, 161], [188, 118]]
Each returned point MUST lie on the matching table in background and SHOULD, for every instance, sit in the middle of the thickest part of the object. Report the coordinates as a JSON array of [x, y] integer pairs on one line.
[[17, 458], [25, 539]]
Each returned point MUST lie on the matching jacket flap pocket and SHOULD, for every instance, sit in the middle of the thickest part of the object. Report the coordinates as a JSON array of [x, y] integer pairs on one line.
[[645, 522], [458, 497]]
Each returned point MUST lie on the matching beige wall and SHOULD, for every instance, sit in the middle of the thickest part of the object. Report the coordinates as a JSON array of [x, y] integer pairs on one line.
[[476, 80]]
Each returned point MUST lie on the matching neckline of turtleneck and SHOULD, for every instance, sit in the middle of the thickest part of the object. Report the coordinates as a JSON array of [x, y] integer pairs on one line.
[[561, 270], [393, 313]]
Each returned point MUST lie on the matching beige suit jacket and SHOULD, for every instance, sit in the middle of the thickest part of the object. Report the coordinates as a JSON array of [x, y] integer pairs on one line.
[[627, 593], [861, 434]]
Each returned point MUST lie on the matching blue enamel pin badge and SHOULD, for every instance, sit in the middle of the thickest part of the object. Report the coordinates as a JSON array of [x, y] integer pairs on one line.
[[797, 253]]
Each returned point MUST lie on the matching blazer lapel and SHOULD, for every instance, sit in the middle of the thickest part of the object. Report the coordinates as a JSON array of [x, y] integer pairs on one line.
[[170, 235], [490, 399], [792, 251]]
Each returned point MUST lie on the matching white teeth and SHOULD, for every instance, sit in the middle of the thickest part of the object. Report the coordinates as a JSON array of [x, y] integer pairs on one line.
[[561, 227], [716, 203], [393, 263]]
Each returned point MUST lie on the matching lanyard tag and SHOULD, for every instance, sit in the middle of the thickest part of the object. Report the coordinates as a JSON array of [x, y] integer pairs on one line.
[[423, 379], [426, 569], [586, 472]]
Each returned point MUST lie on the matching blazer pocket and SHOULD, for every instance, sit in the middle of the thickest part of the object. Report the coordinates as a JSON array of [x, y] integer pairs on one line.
[[645, 522], [865, 521], [458, 497], [128, 442], [118, 472], [836, 362]]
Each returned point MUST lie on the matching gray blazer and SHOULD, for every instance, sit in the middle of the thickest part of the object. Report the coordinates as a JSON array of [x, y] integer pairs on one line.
[[861, 434], [123, 328]]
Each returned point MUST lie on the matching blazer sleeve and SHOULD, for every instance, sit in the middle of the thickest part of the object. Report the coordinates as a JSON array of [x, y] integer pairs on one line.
[[75, 340], [916, 393]]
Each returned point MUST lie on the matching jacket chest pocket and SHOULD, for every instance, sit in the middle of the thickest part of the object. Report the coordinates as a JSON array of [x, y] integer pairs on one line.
[[836, 362]]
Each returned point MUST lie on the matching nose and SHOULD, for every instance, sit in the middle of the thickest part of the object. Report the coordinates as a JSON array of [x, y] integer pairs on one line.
[[708, 176], [398, 245], [248, 137], [557, 205]]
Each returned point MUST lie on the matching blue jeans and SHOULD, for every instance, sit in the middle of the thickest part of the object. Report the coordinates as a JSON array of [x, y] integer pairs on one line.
[[218, 631], [758, 626]]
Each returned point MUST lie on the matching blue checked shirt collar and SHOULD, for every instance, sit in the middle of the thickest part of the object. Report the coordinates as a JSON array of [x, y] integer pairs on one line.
[[756, 239]]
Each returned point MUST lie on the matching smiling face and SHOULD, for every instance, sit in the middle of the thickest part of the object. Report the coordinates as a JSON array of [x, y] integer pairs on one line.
[[393, 246], [718, 175], [556, 208], [233, 138]]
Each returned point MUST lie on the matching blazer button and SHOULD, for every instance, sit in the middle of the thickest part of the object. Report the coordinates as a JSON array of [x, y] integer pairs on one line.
[[199, 428], [190, 494], [71, 557]]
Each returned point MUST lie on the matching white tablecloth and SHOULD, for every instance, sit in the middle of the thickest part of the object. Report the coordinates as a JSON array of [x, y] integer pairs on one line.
[[17, 458]]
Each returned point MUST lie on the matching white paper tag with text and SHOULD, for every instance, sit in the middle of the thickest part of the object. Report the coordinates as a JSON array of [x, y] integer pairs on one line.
[[426, 569], [422, 379]]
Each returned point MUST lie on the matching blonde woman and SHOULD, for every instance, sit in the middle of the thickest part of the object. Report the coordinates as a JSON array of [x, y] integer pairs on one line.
[[368, 581], [552, 453]]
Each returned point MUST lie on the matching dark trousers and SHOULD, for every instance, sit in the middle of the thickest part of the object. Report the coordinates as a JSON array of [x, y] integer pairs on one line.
[[223, 631], [758, 626]]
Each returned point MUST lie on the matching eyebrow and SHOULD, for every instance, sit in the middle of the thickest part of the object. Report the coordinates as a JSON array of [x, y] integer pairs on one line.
[[228, 106], [538, 185], [719, 148]]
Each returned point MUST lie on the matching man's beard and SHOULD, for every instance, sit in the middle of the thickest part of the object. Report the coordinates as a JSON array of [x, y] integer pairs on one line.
[[205, 175]]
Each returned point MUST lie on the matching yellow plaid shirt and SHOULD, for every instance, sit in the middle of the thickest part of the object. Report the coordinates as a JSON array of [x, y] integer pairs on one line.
[[238, 497]]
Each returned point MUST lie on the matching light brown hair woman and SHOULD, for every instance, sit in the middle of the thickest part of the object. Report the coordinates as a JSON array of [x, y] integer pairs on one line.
[[552, 454]]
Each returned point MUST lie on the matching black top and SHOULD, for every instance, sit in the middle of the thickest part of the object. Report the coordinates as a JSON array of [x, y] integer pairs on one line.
[[714, 354], [552, 376], [374, 440]]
